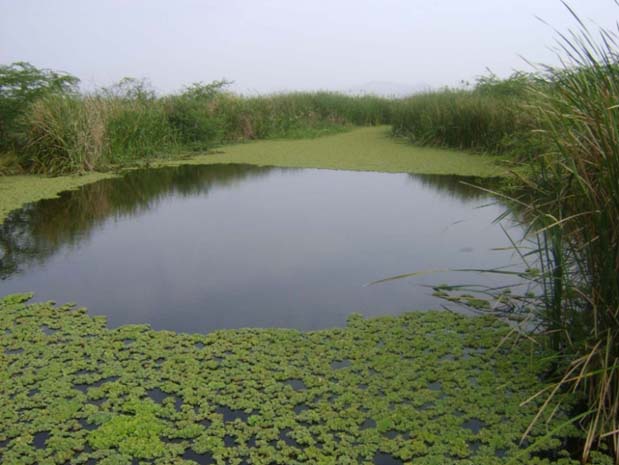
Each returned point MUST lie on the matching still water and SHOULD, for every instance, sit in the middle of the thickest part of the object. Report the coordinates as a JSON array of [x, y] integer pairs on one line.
[[199, 248]]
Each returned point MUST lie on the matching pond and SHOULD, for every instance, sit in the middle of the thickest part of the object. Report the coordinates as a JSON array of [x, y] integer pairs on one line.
[[200, 248]]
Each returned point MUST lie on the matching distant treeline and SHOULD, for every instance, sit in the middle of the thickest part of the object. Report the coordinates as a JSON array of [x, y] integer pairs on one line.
[[47, 126]]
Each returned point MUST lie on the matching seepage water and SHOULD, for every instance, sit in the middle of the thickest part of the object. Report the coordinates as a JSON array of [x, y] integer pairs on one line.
[[200, 248]]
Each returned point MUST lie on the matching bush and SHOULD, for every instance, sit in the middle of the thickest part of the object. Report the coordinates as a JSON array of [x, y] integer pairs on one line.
[[21, 84], [194, 115], [136, 129]]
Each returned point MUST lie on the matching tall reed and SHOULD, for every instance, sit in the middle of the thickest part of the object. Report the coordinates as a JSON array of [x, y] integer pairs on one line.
[[125, 123], [65, 134], [490, 118], [572, 197]]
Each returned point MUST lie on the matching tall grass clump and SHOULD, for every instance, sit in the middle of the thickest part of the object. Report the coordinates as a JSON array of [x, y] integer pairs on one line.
[[136, 125], [21, 86], [72, 133], [490, 118], [572, 197], [300, 114], [195, 115], [65, 132]]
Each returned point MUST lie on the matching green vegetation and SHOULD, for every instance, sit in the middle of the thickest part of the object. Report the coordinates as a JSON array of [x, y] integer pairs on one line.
[[15, 191], [21, 85], [490, 118], [58, 132], [369, 149], [564, 126], [365, 149], [424, 387], [54, 130], [573, 197]]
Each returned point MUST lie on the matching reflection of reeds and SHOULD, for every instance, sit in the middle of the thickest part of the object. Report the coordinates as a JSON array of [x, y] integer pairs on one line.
[[39, 230], [459, 187]]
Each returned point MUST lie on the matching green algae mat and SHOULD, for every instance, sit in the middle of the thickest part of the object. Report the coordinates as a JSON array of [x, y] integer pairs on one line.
[[15, 191], [361, 149], [422, 388]]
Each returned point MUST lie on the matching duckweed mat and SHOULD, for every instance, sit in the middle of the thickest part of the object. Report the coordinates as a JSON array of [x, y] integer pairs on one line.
[[361, 149], [421, 388]]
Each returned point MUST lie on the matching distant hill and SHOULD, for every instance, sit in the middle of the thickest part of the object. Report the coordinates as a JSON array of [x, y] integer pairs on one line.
[[388, 89]]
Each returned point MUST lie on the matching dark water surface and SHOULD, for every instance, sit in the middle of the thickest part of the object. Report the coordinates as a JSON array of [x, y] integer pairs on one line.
[[199, 248]]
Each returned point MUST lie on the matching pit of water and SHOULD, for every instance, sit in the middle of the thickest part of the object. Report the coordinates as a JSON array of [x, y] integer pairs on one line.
[[200, 248]]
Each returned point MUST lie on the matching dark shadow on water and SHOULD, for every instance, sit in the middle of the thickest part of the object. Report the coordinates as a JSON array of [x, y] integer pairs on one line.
[[298, 409], [284, 435], [232, 414], [229, 441], [48, 331], [382, 458], [338, 364], [40, 439], [156, 395], [200, 459], [296, 384], [459, 187], [435, 386], [87, 426], [368, 423], [83, 387], [474, 424]]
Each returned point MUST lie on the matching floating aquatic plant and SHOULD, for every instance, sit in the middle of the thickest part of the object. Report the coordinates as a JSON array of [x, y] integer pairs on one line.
[[423, 387]]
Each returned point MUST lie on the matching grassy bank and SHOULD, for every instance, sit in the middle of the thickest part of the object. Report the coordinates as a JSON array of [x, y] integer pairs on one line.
[[363, 149], [424, 387]]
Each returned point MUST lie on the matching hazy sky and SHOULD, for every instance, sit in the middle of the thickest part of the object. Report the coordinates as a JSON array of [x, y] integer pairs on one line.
[[272, 45]]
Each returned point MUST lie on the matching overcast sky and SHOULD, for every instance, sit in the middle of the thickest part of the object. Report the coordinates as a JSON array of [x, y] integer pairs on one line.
[[274, 45]]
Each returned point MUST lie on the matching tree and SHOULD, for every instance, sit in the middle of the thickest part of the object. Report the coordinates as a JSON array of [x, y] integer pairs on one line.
[[20, 85]]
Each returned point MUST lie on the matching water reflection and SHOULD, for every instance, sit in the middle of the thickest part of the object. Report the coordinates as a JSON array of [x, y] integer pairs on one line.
[[458, 187], [196, 248], [38, 230]]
